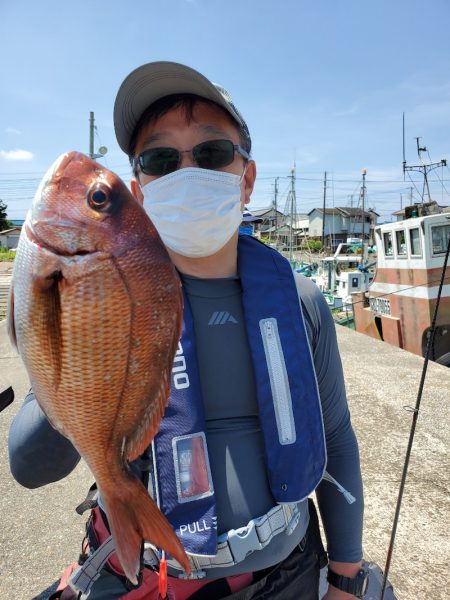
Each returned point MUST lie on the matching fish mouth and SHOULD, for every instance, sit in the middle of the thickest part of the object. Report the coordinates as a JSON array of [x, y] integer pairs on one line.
[[36, 239], [56, 170]]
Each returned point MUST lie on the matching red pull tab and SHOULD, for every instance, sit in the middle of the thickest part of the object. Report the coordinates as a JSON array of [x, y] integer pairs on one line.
[[162, 583]]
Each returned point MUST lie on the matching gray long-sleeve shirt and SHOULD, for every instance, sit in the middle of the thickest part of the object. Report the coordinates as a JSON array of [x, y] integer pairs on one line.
[[40, 455]]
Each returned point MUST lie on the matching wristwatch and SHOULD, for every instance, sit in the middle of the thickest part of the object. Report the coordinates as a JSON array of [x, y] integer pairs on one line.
[[356, 586]]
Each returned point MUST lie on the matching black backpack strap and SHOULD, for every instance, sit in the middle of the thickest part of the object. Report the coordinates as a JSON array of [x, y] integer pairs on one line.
[[89, 502], [6, 397], [218, 588]]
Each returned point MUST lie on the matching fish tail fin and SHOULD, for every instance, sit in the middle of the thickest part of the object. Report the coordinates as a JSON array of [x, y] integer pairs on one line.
[[133, 516]]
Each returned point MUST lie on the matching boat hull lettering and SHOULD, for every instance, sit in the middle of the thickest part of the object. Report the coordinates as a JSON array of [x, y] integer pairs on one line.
[[381, 306]]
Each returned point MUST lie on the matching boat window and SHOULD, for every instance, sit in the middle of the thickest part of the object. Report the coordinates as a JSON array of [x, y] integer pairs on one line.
[[400, 241], [440, 234], [387, 241], [414, 240], [355, 282]]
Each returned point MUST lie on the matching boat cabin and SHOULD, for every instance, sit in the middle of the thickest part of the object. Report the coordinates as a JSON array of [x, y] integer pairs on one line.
[[342, 274], [399, 304]]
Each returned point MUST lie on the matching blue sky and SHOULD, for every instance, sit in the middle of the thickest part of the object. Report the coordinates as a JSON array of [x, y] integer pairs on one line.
[[322, 83]]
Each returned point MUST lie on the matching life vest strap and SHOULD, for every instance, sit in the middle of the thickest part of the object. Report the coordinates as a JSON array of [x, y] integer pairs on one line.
[[83, 578], [235, 545]]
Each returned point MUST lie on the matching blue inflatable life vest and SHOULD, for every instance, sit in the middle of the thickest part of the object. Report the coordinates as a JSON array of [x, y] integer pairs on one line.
[[288, 401]]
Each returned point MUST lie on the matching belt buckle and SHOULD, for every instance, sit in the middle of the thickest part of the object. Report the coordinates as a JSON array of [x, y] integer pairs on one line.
[[243, 541], [195, 574], [291, 526]]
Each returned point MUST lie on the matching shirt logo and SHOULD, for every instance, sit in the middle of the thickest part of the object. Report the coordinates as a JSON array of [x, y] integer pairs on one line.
[[221, 317]]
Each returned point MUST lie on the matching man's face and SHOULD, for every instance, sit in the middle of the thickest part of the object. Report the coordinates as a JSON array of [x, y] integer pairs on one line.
[[173, 130]]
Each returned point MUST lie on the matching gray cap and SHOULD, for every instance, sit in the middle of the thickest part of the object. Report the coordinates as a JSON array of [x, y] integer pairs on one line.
[[153, 81]]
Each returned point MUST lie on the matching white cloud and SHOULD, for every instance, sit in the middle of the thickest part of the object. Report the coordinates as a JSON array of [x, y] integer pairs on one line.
[[16, 154], [346, 112], [13, 130]]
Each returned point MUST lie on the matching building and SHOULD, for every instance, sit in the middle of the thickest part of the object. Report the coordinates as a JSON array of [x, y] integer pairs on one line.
[[9, 238], [291, 233], [271, 218], [338, 224]]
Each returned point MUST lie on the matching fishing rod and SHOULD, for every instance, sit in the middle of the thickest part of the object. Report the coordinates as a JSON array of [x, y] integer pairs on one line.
[[415, 412]]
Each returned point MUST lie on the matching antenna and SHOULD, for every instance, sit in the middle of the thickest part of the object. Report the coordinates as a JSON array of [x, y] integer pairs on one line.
[[419, 149], [423, 168], [404, 159]]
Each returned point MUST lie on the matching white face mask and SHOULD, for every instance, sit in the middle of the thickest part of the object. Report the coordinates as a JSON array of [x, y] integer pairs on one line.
[[195, 211]]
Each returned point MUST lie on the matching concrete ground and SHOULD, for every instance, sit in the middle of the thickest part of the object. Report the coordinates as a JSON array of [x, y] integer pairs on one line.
[[40, 533], [381, 381]]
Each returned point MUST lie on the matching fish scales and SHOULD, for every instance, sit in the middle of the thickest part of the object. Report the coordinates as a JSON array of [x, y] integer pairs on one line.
[[96, 312]]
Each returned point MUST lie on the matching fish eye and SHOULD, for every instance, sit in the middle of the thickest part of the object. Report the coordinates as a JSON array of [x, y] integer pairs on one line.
[[98, 197]]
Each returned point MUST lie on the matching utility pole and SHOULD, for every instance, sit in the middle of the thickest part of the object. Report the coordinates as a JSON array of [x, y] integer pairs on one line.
[[363, 196], [293, 213], [103, 149], [324, 204], [91, 134], [275, 206]]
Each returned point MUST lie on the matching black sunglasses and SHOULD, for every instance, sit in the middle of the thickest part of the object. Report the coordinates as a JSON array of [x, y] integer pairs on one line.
[[213, 154]]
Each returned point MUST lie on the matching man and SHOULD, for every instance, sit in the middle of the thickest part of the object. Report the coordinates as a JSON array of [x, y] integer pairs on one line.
[[258, 367]]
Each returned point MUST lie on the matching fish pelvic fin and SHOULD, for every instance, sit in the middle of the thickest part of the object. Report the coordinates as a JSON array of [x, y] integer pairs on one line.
[[133, 516], [11, 325]]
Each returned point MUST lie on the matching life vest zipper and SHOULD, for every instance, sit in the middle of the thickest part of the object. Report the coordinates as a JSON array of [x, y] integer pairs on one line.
[[279, 382]]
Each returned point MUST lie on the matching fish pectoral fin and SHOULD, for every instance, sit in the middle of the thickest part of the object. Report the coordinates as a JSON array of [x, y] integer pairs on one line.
[[133, 517], [51, 305], [39, 336]]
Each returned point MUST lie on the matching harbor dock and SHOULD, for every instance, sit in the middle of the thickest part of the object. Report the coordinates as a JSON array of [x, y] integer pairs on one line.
[[41, 533]]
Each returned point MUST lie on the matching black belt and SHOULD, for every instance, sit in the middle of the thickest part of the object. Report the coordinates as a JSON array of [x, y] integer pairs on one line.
[[220, 588]]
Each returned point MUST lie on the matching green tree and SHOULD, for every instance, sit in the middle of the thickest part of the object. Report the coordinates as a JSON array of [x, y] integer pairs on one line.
[[4, 223]]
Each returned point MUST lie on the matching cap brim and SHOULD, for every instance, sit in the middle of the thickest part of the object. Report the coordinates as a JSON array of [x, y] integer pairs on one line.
[[153, 81]]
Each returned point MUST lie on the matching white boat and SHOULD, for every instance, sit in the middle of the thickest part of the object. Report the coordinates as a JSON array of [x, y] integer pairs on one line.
[[341, 275]]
